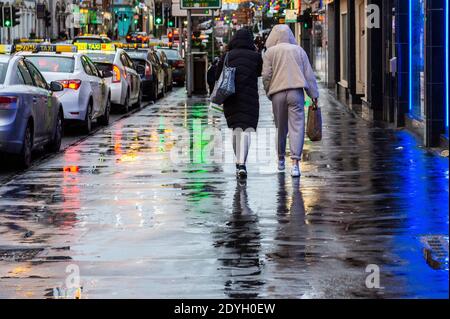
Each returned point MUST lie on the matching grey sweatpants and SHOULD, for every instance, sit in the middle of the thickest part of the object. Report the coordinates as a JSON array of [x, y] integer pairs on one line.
[[289, 113]]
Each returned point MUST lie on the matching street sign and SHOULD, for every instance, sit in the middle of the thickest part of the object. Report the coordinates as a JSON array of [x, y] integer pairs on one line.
[[201, 4], [178, 12], [40, 11], [291, 16]]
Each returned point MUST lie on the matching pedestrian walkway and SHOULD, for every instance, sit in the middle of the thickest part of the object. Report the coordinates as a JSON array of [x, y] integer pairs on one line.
[[139, 212]]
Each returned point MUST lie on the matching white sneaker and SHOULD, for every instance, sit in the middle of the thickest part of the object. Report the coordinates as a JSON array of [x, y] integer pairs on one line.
[[281, 165], [295, 172]]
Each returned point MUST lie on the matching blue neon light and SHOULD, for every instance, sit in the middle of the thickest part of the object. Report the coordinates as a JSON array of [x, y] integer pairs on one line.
[[410, 56]]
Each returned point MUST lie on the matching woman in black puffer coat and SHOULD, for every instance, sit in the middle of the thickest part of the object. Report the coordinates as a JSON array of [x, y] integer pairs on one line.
[[242, 109]]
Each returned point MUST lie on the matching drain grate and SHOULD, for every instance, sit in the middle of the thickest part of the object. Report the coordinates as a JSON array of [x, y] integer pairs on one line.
[[436, 251], [18, 254]]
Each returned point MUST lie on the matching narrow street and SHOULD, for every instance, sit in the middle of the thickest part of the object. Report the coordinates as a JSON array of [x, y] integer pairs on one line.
[[139, 224]]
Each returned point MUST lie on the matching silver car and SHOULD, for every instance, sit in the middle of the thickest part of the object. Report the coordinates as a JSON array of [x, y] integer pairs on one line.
[[31, 115]]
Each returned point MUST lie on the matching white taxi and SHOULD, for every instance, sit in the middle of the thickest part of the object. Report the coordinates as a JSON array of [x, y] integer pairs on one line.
[[119, 70], [86, 95]]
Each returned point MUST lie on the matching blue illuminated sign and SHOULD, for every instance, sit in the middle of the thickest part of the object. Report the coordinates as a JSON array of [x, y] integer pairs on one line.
[[446, 66]]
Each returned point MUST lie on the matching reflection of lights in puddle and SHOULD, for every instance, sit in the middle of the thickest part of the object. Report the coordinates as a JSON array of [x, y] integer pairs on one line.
[[20, 270], [127, 158], [71, 169]]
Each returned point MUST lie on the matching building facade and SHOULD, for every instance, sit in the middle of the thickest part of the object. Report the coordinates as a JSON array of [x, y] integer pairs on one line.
[[386, 59]]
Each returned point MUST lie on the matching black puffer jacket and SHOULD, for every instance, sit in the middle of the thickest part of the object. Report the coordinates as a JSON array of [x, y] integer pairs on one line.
[[242, 109]]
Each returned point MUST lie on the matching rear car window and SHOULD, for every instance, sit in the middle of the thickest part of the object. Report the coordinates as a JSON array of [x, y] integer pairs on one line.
[[3, 69], [101, 57], [104, 66], [58, 64], [140, 62], [172, 54], [137, 54]]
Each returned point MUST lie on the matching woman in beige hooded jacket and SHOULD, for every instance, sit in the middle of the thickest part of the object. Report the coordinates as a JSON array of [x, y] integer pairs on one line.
[[286, 74]]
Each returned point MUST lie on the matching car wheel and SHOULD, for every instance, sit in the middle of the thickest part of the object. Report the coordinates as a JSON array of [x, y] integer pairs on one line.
[[139, 101], [104, 119], [87, 123], [160, 95], [154, 93], [126, 103], [55, 143], [25, 155]]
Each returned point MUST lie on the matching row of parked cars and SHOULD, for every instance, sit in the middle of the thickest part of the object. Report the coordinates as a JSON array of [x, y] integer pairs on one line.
[[44, 86]]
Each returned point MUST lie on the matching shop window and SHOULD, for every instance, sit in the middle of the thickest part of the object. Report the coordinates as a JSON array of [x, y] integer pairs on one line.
[[417, 56]]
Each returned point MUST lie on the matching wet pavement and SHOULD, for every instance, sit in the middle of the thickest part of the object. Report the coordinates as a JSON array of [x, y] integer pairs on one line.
[[139, 212], [72, 135]]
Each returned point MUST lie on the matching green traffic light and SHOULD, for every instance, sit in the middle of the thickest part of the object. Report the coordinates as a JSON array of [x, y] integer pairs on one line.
[[170, 23], [135, 21], [7, 23], [158, 20]]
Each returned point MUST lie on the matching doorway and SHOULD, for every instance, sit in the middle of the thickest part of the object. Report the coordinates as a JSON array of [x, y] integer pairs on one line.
[[361, 47]]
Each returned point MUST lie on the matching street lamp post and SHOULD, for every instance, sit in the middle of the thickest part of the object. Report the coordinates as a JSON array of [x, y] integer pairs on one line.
[[113, 19], [189, 77]]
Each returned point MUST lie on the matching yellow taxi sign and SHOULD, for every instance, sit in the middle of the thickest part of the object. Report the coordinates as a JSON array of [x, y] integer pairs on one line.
[[33, 47], [83, 46], [133, 45], [158, 43], [25, 40], [5, 48]]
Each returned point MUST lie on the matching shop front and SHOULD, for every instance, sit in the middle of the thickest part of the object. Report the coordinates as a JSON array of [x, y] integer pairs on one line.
[[427, 112]]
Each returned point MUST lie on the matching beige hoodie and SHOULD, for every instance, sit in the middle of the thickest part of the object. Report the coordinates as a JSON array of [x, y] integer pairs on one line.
[[286, 65]]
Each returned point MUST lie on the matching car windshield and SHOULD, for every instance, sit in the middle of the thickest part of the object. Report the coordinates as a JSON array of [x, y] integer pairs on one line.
[[101, 57], [172, 54], [58, 64], [3, 69]]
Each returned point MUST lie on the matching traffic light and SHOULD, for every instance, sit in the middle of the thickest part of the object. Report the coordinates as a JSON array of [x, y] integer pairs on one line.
[[170, 23], [159, 20], [48, 19], [1, 14], [15, 16], [7, 23], [306, 19]]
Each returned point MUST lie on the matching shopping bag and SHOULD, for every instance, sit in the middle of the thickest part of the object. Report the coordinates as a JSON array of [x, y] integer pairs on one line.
[[314, 124], [225, 86]]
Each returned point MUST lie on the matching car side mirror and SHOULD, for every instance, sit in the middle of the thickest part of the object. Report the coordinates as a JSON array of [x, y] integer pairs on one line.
[[56, 87]]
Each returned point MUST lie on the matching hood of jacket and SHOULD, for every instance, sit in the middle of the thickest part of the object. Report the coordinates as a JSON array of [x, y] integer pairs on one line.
[[280, 33], [243, 39]]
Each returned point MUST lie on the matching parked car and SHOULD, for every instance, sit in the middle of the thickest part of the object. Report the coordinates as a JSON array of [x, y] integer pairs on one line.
[[121, 75], [31, 114], [137, 37], [86, 96], [177, 63], [167, 69], [150, 70]]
